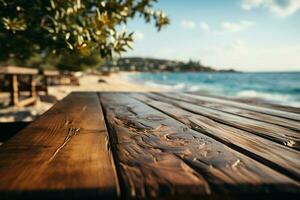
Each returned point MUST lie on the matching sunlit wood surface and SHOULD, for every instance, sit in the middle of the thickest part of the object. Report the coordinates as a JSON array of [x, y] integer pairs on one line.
[[154, 146]]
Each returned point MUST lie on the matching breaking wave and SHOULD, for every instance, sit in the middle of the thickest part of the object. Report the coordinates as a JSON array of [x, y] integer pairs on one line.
[[280, 88]]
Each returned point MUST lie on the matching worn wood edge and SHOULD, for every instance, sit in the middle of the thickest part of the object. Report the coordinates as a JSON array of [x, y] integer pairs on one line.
[[279, 113], [122, 187], [264, 159], [111, 149], [275, 120]]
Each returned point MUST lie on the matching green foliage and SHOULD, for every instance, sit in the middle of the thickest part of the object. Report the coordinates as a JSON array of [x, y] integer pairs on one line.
[[75, 62], [86, 27], [64, 61]]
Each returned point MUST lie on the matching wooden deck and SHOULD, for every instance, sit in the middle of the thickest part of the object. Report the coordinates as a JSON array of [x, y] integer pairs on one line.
[[154, 146]]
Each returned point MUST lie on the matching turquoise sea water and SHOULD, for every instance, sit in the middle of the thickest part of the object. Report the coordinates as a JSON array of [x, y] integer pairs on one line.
[[282, 88]]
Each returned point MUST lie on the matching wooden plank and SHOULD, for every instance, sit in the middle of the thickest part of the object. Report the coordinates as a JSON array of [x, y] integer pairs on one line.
[[272, 154], [17, 70], [263, 103], [275, 133], [142, 134], [278, 113], [63, 154], [253, 102], [294, 125], [147, 172]]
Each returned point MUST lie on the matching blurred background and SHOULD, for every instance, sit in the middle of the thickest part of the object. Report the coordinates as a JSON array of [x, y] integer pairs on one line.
[[242, 49]]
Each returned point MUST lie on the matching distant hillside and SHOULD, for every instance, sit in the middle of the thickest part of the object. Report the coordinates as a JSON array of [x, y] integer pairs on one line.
[[159, 65]]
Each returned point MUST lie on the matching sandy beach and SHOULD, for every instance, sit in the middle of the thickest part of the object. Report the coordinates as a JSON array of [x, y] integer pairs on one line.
[[114, 82]]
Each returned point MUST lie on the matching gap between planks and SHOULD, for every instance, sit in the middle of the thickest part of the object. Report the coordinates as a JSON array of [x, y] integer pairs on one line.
[[287, 123], [262, 150], [272, 132], [114, 104]]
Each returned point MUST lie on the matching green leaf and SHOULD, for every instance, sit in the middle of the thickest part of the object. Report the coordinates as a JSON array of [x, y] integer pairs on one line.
[[70, 46]]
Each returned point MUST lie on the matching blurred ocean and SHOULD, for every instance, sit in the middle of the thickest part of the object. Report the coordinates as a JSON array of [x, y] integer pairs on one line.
[[280, 87]]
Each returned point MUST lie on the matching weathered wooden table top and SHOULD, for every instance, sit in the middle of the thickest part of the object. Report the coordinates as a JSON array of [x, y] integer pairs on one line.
[[154, 145]]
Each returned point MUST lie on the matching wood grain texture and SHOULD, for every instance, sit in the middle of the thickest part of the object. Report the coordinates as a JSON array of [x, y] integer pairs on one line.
[[269, 111], [144, 137], [281, 135], [280, 158], [291, 124], [147, 171], [63, 154], [262, 103]]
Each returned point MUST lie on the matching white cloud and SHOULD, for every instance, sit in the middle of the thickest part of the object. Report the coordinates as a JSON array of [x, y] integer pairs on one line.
[[244, 56], [226, 27], [236, 27], [250, 4], [292, 7], [281, 8], [138, 36], [205, 27], [187, 24]]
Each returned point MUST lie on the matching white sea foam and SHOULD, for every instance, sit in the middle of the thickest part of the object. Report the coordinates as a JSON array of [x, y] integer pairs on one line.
[[177, 87], [185, 87], [272, 97], [194, 88], [204, 88], [217, 89], [256, 94]]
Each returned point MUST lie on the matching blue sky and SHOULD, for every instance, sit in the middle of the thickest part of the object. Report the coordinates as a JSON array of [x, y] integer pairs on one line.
[[247, 35]]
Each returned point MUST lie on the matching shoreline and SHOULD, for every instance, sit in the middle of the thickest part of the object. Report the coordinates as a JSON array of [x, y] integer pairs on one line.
[[116, 82]]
